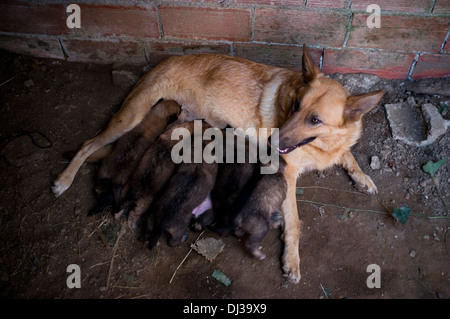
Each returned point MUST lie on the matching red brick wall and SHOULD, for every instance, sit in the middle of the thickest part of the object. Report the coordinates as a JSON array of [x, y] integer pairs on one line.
[[412, 41]]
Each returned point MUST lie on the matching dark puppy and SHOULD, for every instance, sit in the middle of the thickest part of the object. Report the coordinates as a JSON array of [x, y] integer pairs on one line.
[[187, 189], [231, 180], [117, 167], [152, 173], [186, 196], [248, 202], [258, 208]]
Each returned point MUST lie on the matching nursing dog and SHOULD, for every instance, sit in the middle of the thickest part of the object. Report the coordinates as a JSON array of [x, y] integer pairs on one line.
[[319, 120]]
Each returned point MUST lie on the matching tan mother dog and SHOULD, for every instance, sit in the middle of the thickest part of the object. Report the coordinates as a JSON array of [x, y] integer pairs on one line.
[[318, 119]]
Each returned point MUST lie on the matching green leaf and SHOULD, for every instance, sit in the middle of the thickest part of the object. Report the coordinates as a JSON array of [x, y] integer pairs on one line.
[[402, 214], [431, 167], [221, 277], [299, 191]]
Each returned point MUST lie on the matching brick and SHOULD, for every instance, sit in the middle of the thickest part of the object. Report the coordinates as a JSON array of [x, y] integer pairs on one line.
[[293, 3], [291, 26], [103, 51], [159, 51], [198, 1], [432, 66], [390, 65], [277, 55], [40, 46], [397, 5], [206, 23], [327, 3], [442, 6], [35, 18], [405, 33], [107, 20]]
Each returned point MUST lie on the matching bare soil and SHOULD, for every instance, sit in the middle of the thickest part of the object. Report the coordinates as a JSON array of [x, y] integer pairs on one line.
[[41, 235]]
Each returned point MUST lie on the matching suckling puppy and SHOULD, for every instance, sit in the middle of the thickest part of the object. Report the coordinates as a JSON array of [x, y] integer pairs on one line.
[[248, 202], [186, 196], [188, 189], [152, 173], [117, 167], [258, 208]]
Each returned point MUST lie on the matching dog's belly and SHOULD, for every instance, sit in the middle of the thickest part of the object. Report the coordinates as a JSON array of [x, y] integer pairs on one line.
[[190, 113]]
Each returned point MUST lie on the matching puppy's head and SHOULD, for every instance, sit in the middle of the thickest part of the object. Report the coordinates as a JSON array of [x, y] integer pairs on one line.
[[324, 114]]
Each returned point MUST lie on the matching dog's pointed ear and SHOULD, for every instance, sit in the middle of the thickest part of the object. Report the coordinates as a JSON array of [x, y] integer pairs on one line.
[[309, 70], [358, 105]]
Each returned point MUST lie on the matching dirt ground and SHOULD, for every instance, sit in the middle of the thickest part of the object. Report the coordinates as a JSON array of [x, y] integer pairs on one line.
[[41, 235]]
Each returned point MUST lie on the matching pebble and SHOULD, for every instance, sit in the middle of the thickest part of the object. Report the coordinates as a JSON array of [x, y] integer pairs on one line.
[[28, 83], [412, 253], [435, 237], [375, 163]]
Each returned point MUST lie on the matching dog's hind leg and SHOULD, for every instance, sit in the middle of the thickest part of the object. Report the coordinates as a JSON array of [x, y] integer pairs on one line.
[[129, 116], [362, 180]]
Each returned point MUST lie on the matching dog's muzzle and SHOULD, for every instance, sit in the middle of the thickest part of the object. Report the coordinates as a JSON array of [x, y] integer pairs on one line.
[[291, 148]]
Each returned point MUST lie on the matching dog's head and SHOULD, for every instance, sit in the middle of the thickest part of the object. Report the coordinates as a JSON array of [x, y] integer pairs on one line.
[[324, 114]]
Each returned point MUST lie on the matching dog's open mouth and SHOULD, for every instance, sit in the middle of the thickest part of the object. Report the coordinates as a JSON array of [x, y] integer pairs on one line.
[[291, 148]]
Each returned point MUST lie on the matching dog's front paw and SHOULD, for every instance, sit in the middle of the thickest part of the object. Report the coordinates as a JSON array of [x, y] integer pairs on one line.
[[291, 269], [367, 185]]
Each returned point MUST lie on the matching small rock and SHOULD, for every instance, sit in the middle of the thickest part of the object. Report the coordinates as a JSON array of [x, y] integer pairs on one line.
[[415, 125], [430, 86], [412, 253], [28, 83], [358, 83], [375, 163], [435, 237]]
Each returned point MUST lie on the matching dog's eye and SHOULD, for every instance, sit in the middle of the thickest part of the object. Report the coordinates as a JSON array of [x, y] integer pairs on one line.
[[296, 106], [315, 120]]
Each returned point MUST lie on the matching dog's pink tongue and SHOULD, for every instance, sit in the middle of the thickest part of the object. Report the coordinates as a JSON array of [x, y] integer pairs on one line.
[[203, 207]]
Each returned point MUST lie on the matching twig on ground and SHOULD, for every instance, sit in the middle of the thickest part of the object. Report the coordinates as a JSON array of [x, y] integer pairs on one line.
[[116, 245], [8, 81], [100, 234], [185, 257]]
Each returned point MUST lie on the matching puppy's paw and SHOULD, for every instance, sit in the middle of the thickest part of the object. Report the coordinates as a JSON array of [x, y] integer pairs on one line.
[[256, 252], [133, 223]]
